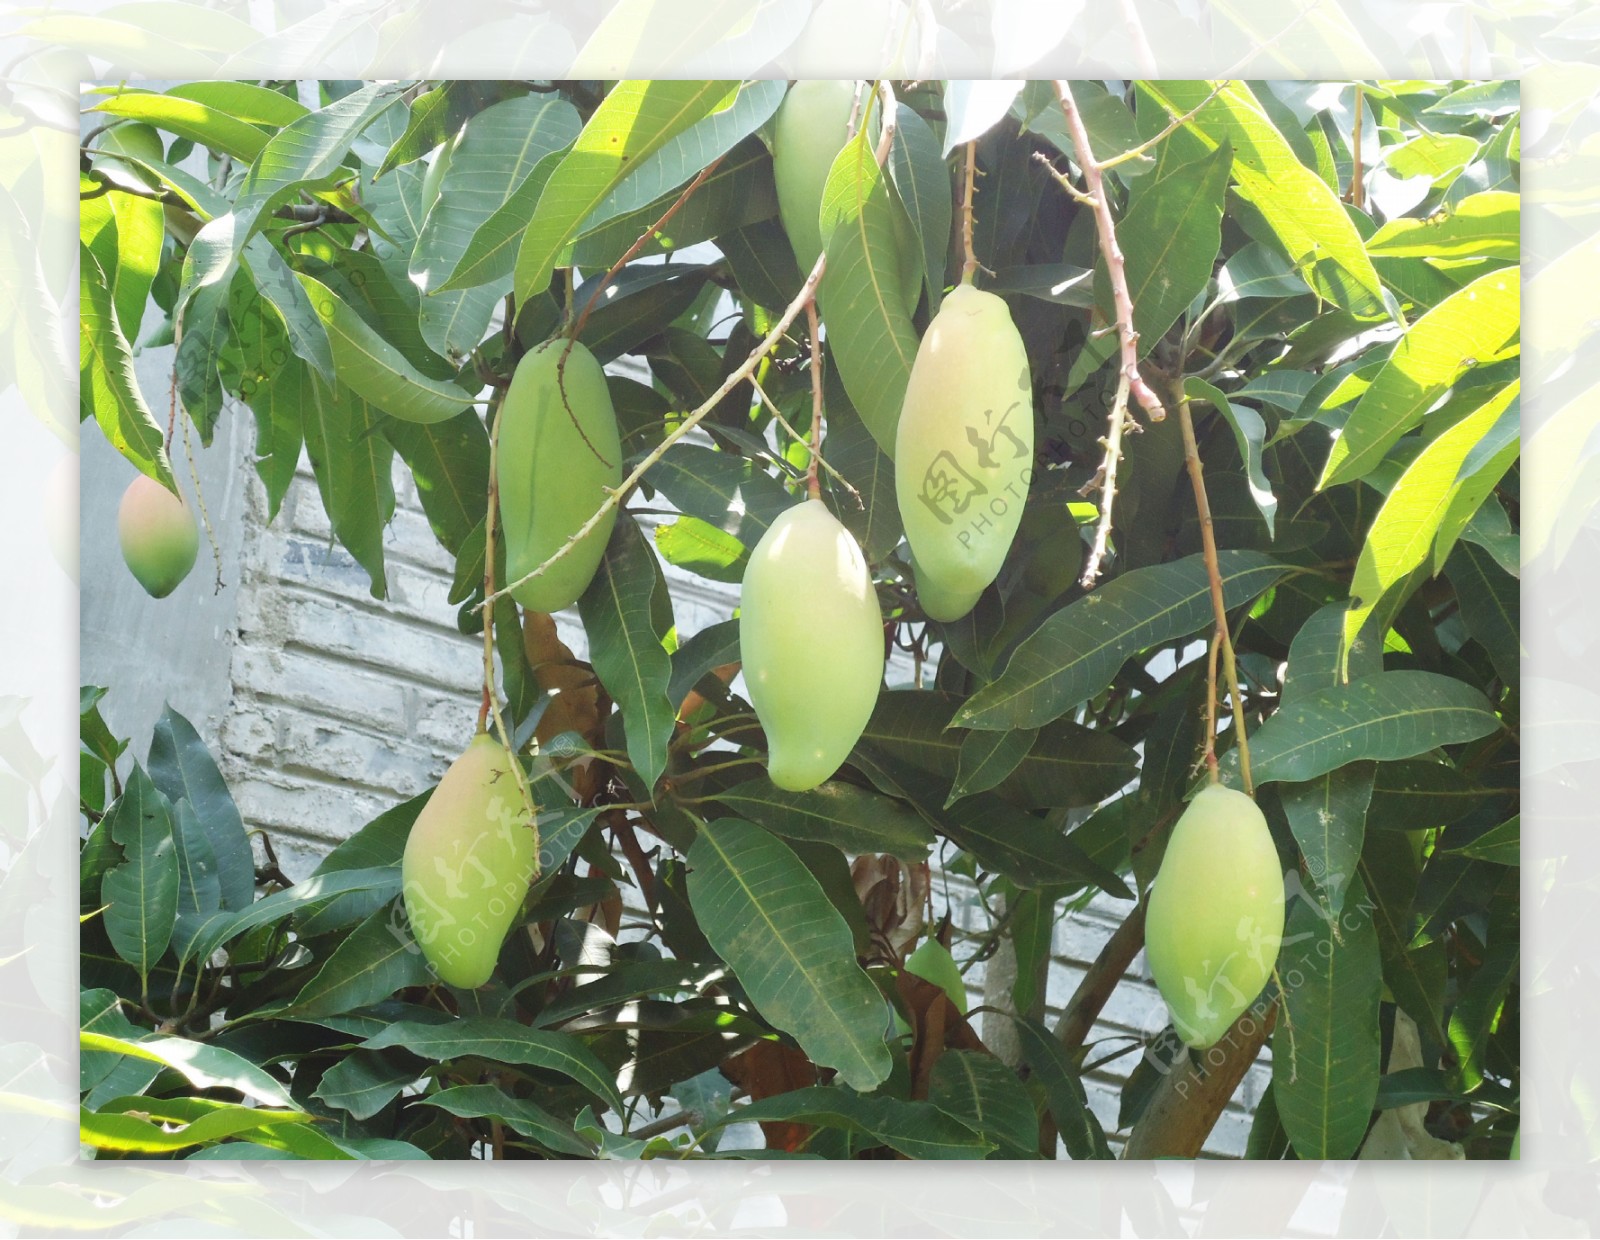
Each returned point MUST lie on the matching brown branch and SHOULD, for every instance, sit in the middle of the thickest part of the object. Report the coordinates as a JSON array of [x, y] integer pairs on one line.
[[1208, 543], [1191, 1097], [1083, 1009], [1356, 197], [1171, 128], [813, 483], [1129, 380], [969, 265]]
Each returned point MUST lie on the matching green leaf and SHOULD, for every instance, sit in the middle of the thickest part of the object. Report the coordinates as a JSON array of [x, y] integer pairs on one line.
[[1305, 215], [635, 119], [204, 1066], [140, 233], [1489, 603], [183, 769], [1250, 433], [1473, 512], [499, 149], [203, 334], [638, 305], [377, 371], [1477, 1012], [1467, 329], [680, 158], [1257, 270], [436, 116], [199, 890], [314, 890], [697, 547], [308, 150], [502, 1041], [1487, 224], [854, 820], [141, 894], [922, 180], [244, 101], [626, 650], [721, 489], [519, 1114], [449, 462], [259, 371], [1075, 653], [1064, 1093], [1328, 817], [107, 388], [1502, 845], [1326, 1053], [352, 464], [202, 123], [872, 513], [915, 1129], [767, 916], [987, 758], [1403, 533], [1385, 716], [375, 960], [133, 1134], [364, 1082], [979, 1092], [763, 264], [869, 330]]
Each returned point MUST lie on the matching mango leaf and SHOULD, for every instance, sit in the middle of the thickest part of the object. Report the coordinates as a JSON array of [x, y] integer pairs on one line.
[[199, 891], [680, 158], [768, 917], [491, 251], [204, 1066], [308, 150], [498, 150], [1402, 534], [352, 464], [141, 894], [202, 123], [872, 513], [1326, 1053], [364, 1082], [259, 371], [915, 1129], [1468, 328], [1304, 214], [973, 108], [1473, 512], [852, 819], [626, 650], [987, 758], [245, 101], [1487, 224], [141, 230], [504, 1041], [922, 180], [1489, 603], [182, 767], [107, 388], [698, 547], [1250, 433], [314, 890], [519, 1114], [377, 371], [979, 1092], [449, 461], [1384, 716], [375, 960], [1064, 1093], [436, 116], [1075, 653], [635, 119], [721, 489], [1477, 1010], [134, 1134], [869, 330], [1501, 845]]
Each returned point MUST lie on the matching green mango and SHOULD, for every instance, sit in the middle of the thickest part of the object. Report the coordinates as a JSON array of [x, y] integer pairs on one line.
[[964, 450], [811, 638], [467, 865], [556, 461], [1215, 919], [158, 535]]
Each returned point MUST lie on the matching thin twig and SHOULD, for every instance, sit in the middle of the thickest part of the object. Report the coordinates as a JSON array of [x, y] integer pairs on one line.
[[813, 483], [1208, 543], [1211, 705], [615, 496], [777, 415], [1177, 121], [488, 631], [1356, 196], [638, 245], [969, 265], [1129, 379]]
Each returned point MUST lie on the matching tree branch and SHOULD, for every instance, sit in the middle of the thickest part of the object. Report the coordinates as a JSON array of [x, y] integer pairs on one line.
[[813, 483], [969, 265], [1083, 1009]]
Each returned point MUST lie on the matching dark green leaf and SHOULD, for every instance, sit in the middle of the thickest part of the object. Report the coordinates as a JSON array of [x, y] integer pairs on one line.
[[853, 819], [182, 767], [915, 1129], [377, 959], [141, 894]]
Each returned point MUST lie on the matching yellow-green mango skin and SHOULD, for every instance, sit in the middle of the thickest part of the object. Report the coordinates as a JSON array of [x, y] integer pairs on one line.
[[811, 638], [158, 535], [1215, 919], [964, 450], [467, 865], [551, 478]]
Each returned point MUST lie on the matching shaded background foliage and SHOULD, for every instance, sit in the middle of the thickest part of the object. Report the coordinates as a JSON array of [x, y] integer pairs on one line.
[[350, 295]]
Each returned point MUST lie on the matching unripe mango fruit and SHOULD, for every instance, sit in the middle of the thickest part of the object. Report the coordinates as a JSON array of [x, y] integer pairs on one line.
[[811, 637], [556, 460], [964, 450], [467, 864], [1215, 919], [158, 535]]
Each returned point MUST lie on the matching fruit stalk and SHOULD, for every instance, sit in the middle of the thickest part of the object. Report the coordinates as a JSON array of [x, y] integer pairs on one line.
[[1208, 543], [969, 265], [741, 373], [813, 483]]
